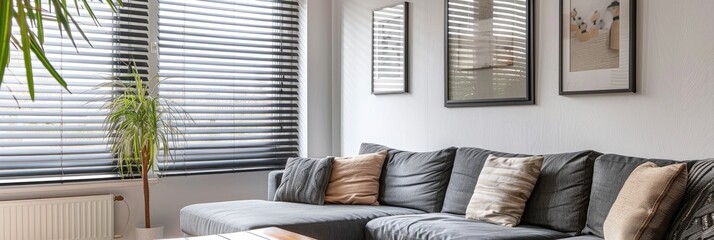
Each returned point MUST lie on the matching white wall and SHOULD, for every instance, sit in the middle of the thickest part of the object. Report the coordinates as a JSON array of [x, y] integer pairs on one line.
[[670, 116], [168, 196], [316, 105]]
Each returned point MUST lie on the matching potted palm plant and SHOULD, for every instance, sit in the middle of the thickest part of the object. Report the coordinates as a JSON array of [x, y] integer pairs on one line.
[[139, 125]]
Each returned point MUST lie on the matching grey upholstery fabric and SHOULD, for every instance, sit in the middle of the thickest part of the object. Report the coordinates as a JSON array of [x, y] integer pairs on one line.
[[697, 205], [468, 164], [560, 198], [435, 226], [414, 179], [305, 180], [274, 179], [609, 175], [317, 221], [373, 148]]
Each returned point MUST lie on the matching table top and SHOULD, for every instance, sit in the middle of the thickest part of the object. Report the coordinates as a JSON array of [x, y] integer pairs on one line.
[[271, 233]]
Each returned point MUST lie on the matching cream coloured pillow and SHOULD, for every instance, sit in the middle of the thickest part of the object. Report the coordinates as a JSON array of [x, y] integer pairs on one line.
[[646, 203], [355, 180], [503, 188]]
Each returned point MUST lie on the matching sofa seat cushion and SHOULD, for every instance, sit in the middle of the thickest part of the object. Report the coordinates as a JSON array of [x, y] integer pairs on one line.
[[317, 221], [451, 226]]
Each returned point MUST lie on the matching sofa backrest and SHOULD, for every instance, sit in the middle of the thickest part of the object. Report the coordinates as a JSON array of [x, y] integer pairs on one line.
[[609, 175], [467, 167], [413, 179], [559, 200]]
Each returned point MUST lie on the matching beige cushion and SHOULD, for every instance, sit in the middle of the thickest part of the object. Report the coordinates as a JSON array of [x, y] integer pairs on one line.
[[503, 188], [647, 202], [355, 180]]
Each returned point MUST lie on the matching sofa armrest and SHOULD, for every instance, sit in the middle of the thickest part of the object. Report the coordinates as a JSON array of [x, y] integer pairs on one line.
[[274, 179]]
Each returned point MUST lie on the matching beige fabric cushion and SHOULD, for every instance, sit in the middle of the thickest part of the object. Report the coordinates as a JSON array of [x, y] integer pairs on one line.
[[355, 180], [503, 188], [647, 202]]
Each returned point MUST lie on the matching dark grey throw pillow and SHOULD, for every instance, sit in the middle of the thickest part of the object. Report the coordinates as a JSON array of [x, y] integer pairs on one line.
[[609, 175], [305, 180], [560, 198], [413, 179], [467, 168]]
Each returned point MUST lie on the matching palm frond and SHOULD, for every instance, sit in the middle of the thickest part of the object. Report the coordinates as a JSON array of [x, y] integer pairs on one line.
[[28, 16]]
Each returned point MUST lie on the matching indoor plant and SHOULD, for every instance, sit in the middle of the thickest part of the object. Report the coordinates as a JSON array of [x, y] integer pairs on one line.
[[139, 125], [28, 17]]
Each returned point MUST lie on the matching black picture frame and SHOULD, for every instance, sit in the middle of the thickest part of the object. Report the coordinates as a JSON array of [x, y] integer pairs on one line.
[[405, 53], [632, 81], [529, 99]]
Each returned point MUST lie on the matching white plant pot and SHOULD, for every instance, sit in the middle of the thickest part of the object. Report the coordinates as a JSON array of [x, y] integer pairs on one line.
[[150, 233]]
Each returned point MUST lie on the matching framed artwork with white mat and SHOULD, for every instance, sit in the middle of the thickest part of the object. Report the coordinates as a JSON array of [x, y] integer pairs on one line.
[[597, 46]]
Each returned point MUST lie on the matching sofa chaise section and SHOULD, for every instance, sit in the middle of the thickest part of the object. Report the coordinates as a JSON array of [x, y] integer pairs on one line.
[[317, 221], [442, 226]]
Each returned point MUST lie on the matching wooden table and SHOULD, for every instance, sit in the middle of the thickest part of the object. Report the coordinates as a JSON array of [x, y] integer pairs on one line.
[[271, 233]]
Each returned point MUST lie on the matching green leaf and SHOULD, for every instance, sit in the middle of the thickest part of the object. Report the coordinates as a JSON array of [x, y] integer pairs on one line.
[[111, 5], [62, 20], [25, 39], [40, 25], [80, 30], [37, 49], [91, 13], [5, 32], [30, 12], [76, 5]]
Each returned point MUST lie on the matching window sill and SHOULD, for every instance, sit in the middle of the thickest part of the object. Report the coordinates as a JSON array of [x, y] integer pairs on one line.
[[75, 186]]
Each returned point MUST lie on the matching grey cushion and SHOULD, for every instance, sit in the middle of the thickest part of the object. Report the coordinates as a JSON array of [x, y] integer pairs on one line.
[[373, 148], [697, 204], [414, 179], [560, 198], [609, 174], [467, 167], [305, 180], [435, 226], [317, 221], [274, 179]]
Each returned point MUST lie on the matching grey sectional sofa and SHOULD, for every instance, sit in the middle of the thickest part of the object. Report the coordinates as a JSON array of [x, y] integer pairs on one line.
[[424, 196]]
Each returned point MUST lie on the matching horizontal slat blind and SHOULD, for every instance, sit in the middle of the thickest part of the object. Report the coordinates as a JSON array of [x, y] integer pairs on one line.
[[232, 65], [59, 136]]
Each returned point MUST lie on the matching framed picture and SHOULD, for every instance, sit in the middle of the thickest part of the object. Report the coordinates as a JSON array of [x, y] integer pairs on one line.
[[390, 49], [597, 46], [489, 53]]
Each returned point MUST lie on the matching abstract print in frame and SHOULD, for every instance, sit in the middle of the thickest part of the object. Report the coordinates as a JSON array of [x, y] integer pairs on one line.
[[597, 51]]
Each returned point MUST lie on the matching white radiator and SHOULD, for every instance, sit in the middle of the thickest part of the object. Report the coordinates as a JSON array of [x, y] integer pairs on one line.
[[87, 217]]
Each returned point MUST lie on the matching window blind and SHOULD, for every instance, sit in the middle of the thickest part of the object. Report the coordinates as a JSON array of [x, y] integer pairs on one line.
[[232, 65], [59, 136]]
